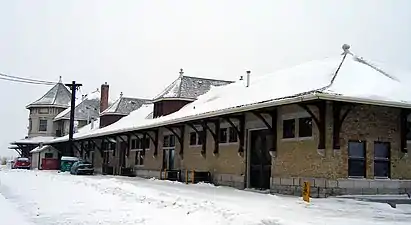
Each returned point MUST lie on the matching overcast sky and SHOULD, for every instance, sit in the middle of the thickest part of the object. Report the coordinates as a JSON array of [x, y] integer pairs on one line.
[[139, 46]]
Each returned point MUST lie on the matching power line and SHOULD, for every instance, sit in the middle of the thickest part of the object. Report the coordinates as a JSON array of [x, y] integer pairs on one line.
[[24, 80]]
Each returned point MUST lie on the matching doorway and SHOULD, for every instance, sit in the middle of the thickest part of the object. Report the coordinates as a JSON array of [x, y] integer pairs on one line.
[[261, 141], [168, 158]]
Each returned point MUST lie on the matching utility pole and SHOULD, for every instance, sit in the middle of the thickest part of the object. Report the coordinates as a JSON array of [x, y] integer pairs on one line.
[[73, 87]]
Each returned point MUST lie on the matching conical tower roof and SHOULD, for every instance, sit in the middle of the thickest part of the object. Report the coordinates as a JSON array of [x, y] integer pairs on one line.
[[57, 96]]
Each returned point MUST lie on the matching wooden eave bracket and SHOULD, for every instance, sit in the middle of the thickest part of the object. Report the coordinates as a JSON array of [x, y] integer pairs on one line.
[[180, 137], [319, 121], [98, 148], [240, 130], [338, 120], [214, 134], [202, 136], [272, 127]]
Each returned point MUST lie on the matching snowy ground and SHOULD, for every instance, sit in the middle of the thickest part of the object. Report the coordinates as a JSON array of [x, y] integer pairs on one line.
[[39, 197]]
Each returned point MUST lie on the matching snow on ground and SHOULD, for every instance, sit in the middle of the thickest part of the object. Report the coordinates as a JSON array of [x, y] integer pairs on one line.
[[9, 214], [48, 197]]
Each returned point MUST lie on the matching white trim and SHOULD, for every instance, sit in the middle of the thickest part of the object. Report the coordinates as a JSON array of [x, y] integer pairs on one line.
[[325, 96]]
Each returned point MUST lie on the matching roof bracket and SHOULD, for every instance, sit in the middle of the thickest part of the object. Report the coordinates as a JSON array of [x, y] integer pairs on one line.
[[319, 121], [240, 130], [338, 120], [202, 135], [180, 137], [214, 134]]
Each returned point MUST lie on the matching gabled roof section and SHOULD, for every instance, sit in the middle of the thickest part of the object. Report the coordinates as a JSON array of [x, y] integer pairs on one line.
[[189, 88], [57, 96], [124, 106], [86, 109]]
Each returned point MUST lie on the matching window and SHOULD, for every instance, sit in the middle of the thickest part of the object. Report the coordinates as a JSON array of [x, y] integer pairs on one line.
[[193, 138], [139, 158], [232, 134], [109, 146], [147, 143], [200, 137], [48, 155], [223, 135], [289, 128], [43, 110], [356, 159], [382, 159], [135, 144], [169, 141], [196, 138], [305, 127], [43, 125]]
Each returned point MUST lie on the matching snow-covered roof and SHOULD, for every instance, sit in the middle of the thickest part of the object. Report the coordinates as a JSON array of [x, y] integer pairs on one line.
[[33, 140], [354, 80], [145, 112], [40, 149], [124, 105], [189, 88], [89, 107], [57, 96], [69, 158]]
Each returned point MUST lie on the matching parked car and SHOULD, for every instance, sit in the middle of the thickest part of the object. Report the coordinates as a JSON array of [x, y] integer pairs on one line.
[[82, 167], [21, 163]]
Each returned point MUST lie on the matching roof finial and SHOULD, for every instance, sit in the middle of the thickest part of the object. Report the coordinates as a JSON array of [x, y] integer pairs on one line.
[[60, 80], [346, 48], [121, 94], [181, 72]]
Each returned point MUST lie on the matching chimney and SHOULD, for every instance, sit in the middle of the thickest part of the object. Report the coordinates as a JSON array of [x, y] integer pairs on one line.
[[104, 97], [248, 78]]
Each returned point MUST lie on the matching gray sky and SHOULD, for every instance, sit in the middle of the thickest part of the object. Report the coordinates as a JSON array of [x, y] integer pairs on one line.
[[139, 46]]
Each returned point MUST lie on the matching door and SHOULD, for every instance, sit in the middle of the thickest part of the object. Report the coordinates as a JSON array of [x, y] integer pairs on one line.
[[168, 158], [261, 141]]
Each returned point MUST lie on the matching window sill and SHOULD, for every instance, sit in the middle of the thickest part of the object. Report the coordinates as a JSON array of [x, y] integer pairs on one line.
[[298, 139], [228, 143], [382, 178], [138, 150], [356, 178]]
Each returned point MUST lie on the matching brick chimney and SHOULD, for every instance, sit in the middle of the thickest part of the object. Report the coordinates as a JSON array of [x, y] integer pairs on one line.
[[104, 97]]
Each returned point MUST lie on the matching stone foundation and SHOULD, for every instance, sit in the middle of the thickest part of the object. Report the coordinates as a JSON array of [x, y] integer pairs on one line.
[[321, 188], [148, 173], [230, 180]]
